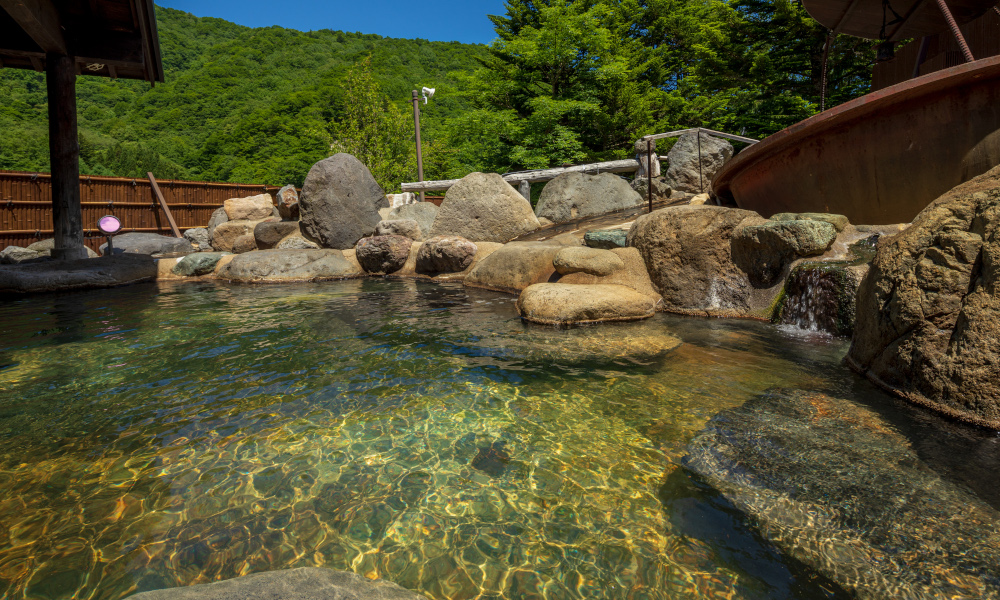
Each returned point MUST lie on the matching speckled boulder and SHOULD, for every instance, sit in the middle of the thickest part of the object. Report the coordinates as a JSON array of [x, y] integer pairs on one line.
[[279, 266], [445, 254], [765, 251], [482, 207], [404, 227], [383, 253]]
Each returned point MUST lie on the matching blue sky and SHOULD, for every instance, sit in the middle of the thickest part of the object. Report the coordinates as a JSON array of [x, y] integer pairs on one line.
[[442, 20]]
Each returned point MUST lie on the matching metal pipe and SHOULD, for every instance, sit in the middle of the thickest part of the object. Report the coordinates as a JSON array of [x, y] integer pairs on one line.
[[416, 125], [955, 31], [925, 43]]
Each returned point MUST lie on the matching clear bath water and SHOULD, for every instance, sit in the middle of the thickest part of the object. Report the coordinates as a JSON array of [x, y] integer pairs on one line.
[[170, 434]]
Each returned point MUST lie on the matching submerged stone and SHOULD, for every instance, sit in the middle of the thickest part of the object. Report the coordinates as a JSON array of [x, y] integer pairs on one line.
[[837, 488], [307, 583], [567, 304], [53, 276], [492, 460]]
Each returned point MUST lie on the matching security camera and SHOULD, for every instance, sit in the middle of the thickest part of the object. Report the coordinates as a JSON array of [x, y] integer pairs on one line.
[[428, 94]]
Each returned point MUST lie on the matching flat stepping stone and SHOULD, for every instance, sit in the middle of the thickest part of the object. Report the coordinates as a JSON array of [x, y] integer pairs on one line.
[[568, 304], [592, 261], [267, 266]]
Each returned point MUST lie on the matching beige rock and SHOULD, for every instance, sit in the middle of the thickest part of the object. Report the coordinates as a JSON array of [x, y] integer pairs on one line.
[[688, 255], [700, 200], [226, 233], [587, 260], [484, 207], [564, 304], [244, 243], [514, 267], [296, 241], [633, 275], [251, 208]]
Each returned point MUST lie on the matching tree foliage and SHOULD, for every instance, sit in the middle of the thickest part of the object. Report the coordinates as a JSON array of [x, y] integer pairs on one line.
[[565, 81], [375, 130]]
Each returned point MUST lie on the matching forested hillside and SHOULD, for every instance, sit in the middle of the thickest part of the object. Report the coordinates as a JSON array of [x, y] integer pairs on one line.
[[564, 82], [239, 104]]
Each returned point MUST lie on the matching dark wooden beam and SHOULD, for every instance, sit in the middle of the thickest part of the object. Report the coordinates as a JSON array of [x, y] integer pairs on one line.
[[64, 155], [40, 20]]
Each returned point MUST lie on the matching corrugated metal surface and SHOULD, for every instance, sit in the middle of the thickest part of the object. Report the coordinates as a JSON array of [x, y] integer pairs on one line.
[[982, 35], [26, 204]]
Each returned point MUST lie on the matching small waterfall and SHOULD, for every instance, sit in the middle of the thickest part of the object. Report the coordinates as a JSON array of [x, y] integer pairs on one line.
[[820, 298]]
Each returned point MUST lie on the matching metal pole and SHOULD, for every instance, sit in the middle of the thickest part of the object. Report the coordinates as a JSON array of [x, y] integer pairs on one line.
[[921, 56], [955, 31], [416, 125], [701, 178], [649, 173]]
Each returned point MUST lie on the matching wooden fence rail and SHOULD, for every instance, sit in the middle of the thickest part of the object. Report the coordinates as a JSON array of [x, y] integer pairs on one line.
[[26, 204]]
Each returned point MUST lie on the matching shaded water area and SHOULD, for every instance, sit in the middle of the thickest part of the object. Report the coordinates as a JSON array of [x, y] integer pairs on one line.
[[169, 434]]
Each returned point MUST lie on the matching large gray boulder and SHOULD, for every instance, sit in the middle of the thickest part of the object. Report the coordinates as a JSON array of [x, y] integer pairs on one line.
[[340, 201], [306, 583], [482, 207], [684, 174], [278, 266], [765, 251], [423, 213], [575, 195], [149, 243], [55, 276], [688, 254], [928, 311]]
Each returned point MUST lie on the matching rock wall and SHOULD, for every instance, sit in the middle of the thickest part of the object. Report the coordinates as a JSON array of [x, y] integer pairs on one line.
[[929, 310]]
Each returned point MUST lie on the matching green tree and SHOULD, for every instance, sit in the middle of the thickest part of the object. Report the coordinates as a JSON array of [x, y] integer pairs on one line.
[[375, 130]]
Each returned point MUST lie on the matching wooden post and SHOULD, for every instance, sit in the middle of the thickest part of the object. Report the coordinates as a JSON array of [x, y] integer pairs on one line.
[[645, 153], [64, 156], [416, 125], [525, 188], [163, 205]]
